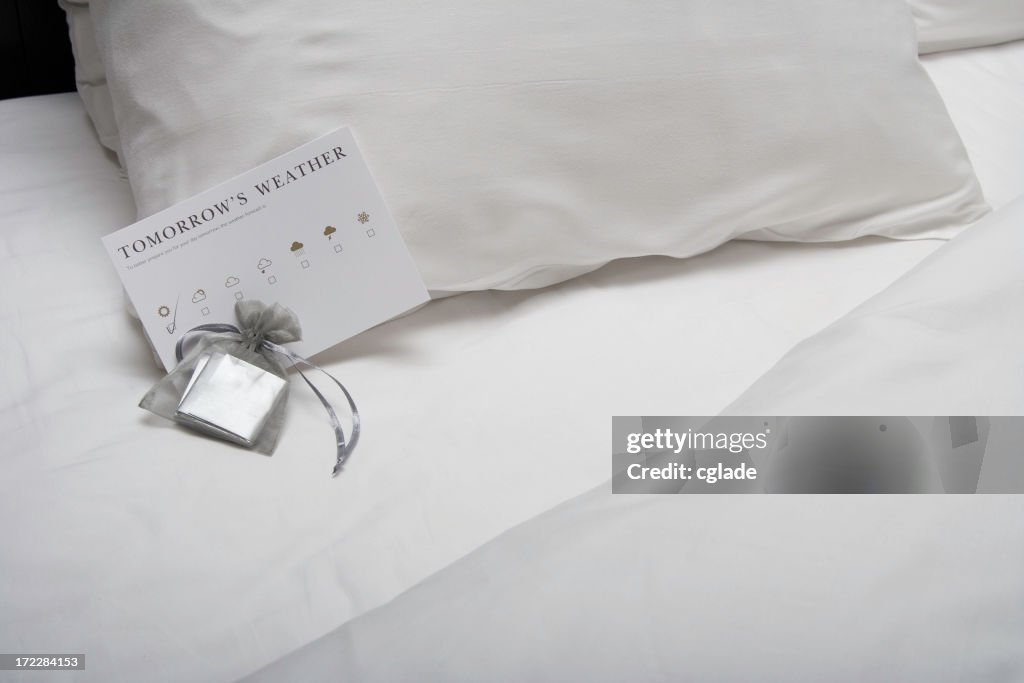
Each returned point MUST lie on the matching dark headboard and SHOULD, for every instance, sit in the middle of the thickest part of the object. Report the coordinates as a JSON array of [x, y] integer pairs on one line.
[[35, 51]]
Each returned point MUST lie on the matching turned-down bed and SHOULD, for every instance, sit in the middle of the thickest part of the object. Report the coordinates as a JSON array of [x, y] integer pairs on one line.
[[166, 557]]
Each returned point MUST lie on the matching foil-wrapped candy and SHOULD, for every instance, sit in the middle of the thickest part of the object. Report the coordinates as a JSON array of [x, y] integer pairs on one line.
[[229, 398]]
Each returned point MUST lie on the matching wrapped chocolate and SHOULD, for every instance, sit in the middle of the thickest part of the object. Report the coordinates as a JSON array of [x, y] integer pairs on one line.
[[230, 398], [232, 384]]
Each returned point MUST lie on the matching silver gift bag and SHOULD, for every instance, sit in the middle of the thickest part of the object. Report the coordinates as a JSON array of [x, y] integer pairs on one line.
[[231, 385]]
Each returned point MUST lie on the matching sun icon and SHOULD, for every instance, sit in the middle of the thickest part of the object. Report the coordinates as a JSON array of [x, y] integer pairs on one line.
[[163, 311]]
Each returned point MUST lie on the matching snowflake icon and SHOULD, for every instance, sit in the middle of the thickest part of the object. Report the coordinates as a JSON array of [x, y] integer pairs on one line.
[[363, 217]]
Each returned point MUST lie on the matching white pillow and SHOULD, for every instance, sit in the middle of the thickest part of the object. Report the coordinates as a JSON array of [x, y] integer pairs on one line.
[[523, 142], [90, 76], [956, 24]]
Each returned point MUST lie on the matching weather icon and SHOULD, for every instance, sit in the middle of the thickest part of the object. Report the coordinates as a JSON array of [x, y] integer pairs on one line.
[[231, 281], [297, 248], [329, 231], [363, 217], [163, 311], [264, 264], [200, 295]]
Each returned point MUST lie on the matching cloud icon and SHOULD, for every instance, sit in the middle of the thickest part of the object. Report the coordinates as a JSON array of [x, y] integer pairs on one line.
[[329, 230], [297, 245], [263, 264], [200, 295], [231, 281]]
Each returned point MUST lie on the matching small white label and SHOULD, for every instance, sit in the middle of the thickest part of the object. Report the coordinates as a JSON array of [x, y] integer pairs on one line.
[[308, 229]]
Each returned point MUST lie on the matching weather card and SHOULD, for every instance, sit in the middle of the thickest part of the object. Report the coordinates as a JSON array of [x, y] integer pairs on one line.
[[308, 230]]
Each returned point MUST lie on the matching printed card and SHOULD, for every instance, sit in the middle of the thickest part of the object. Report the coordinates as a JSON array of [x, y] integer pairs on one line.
[[308, 229]]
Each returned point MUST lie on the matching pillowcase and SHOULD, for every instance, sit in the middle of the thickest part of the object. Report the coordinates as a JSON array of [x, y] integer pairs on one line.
[[956, 24], [90, 76], [523, 142]]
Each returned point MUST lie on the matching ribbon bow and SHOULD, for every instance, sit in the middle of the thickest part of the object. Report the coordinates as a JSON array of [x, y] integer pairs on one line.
[[265, 328]]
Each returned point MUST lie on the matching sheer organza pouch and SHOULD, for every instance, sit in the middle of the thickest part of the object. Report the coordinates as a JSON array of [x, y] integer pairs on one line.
[[231, 384]]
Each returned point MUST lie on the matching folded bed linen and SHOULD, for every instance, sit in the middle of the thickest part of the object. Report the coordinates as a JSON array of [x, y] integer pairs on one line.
[[171, 558], [983, 90], [652, 588], [709, 588], [947, 338]]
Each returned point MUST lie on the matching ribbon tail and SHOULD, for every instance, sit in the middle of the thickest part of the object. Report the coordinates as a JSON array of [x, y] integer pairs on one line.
[[344, 448]]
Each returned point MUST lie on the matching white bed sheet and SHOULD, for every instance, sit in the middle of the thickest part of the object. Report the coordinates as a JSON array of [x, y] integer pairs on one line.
[[610, 588], [946, 339], [167, 557], [984, 93]]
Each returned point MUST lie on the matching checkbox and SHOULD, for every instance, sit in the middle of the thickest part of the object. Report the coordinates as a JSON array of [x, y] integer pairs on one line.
[[337, 248], [272, 279], [305, 263], [371, 232], [206, 310], [239, 295]]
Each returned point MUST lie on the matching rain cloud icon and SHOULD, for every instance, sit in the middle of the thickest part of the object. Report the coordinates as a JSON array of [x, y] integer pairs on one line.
[[231, 281], [200, 295], [263, 265]]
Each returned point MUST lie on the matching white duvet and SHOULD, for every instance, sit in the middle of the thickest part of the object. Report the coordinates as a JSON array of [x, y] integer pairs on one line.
[[709, 588], [739, 588]]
